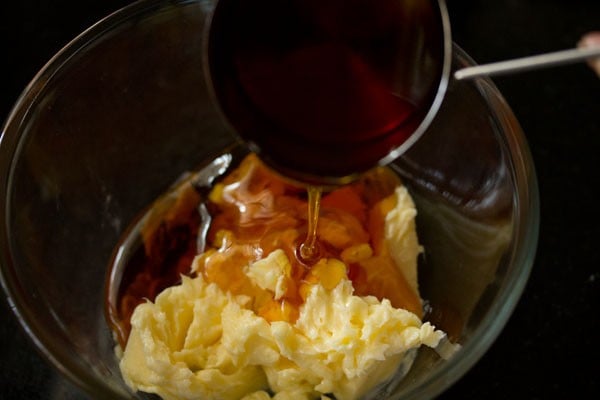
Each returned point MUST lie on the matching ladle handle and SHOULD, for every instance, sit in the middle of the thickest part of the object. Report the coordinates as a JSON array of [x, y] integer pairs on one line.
[[528, 63]]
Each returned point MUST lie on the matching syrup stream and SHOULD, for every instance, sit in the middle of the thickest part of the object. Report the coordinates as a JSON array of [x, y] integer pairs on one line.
[[309, 250]]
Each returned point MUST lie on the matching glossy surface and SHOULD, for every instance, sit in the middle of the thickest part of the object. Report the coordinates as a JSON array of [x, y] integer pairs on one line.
[[251, 213], [325, 92]]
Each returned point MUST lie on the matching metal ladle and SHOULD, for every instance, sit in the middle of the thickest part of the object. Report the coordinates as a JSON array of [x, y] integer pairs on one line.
[[277, 68], [325, 90]]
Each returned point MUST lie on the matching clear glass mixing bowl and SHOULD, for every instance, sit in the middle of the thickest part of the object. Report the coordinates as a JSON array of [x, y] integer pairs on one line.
[[123, 110]]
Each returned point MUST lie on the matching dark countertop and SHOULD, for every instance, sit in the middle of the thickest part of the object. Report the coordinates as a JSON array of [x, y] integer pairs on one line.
[[554, 328]]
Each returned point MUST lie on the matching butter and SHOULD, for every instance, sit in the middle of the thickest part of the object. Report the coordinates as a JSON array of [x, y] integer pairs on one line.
[[340, 341], [271, 273], [401, 236], [177, 347], [197, 341]]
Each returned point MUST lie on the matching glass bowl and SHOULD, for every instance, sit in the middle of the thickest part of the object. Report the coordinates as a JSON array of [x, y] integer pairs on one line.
[[122, 111]]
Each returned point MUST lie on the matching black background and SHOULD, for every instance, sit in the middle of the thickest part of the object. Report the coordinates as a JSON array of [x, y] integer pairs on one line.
[[549, 348]]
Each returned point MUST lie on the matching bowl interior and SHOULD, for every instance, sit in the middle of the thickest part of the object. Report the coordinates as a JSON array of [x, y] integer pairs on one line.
[[123, 111]]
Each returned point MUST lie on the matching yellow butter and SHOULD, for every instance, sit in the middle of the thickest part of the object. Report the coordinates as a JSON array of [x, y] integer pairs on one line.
[[271, 272], [196, 341]]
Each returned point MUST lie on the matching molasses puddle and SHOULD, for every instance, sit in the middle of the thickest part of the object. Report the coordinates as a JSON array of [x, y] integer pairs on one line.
[[210, 297]]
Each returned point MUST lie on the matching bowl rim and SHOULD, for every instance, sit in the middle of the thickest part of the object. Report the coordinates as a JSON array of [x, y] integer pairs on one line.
[[526, 209], [10, 143], [526, 206]]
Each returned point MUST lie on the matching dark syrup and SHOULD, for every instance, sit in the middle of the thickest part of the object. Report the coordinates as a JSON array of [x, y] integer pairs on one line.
[[309, 251], [159, 247], [315, 87]]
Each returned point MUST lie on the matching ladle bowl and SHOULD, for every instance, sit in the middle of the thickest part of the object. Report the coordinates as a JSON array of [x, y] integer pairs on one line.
[[326, 91]]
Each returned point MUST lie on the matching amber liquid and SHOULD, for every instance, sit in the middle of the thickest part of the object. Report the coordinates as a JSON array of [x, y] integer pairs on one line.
[[263, 213], [144, 265], [309, 250], [313, 87]]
